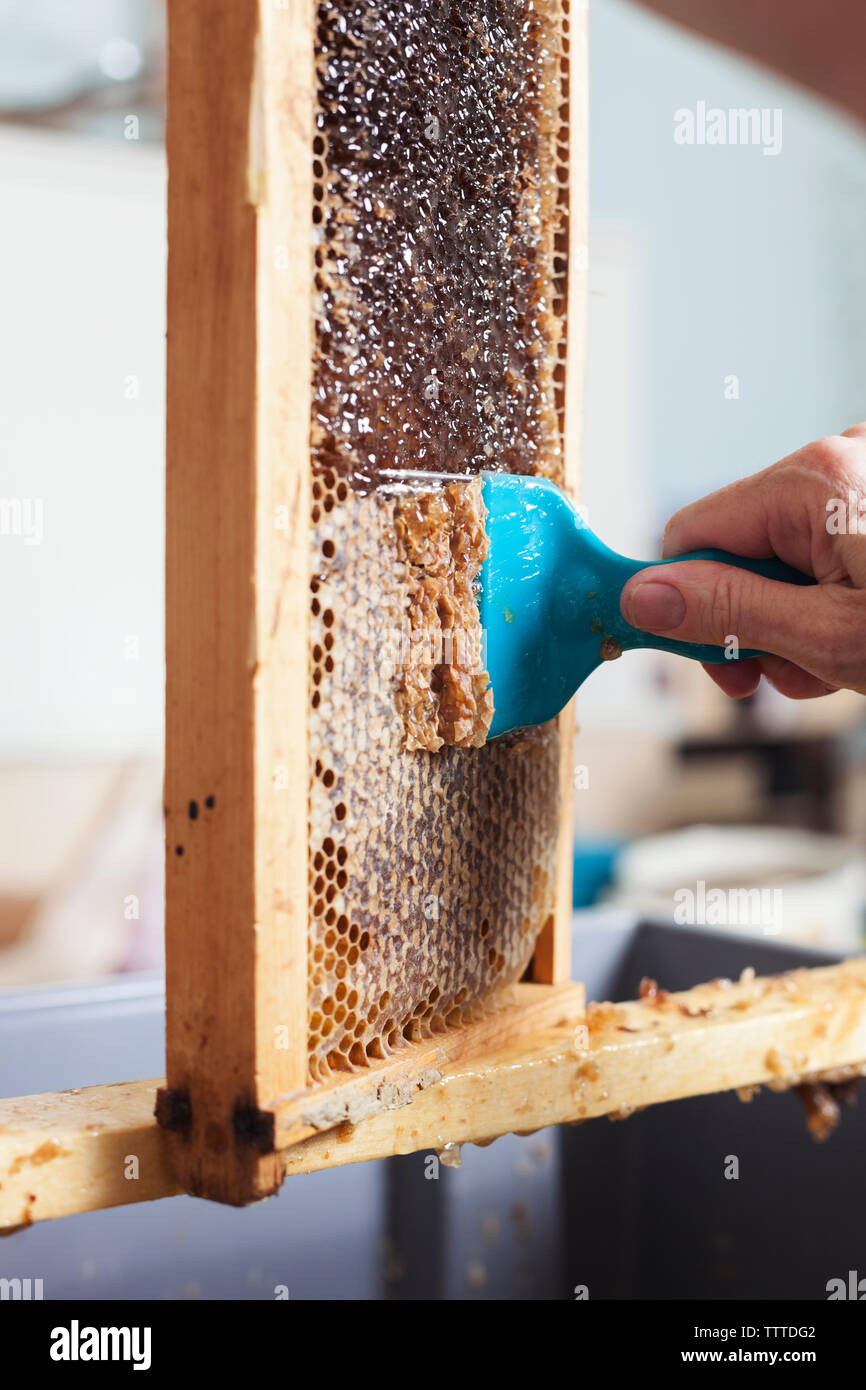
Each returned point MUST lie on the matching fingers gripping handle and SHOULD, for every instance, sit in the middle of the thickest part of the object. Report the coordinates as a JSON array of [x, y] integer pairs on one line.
[[629, 636]]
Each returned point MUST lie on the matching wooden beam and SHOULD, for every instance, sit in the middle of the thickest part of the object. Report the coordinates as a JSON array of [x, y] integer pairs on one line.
[[66, 1153], [239, 140], [74, 1151], [775, 1031]]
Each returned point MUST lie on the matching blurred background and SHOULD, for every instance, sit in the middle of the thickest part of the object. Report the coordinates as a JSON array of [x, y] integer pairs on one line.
[[727, 326]]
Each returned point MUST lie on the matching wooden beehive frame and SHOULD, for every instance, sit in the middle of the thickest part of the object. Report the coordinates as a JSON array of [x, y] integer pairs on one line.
[[240, 136], [236, 1112]]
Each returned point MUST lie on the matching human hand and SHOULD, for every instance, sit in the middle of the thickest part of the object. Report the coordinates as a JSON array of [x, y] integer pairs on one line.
[[810, 511]]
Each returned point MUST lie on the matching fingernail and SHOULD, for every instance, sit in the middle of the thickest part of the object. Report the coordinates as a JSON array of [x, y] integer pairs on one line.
[[654, 606]]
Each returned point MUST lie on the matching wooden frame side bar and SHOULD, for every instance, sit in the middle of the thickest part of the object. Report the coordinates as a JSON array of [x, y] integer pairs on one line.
[[552, 961], [240, 79]]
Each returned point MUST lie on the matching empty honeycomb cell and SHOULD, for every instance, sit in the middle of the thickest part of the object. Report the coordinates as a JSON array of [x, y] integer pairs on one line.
[[440, 167]]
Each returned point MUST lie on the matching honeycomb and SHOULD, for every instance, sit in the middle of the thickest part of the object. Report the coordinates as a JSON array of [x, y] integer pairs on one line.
[[440, 247]]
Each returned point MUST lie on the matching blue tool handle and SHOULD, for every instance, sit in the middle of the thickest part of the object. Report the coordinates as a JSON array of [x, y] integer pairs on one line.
[[630, 637]]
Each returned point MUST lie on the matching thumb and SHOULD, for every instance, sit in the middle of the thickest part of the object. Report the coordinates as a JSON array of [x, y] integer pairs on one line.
[[815, 627]]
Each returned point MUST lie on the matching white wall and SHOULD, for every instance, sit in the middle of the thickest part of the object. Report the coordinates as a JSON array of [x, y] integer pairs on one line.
[[82, 253], [754, 262], [706, 261]]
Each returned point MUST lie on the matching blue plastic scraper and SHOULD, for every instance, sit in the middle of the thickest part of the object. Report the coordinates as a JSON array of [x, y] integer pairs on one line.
[[549, 597]]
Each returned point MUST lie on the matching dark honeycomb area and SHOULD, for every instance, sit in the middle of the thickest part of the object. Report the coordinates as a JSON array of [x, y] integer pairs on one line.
[[440, 235]]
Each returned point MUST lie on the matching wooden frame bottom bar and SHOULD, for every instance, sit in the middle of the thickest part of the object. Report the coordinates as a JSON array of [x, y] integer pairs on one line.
[[520, 1011], [83, 1150]]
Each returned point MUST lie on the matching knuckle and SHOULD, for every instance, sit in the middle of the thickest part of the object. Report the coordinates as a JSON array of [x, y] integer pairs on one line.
[[724, 605], [837, 459]]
